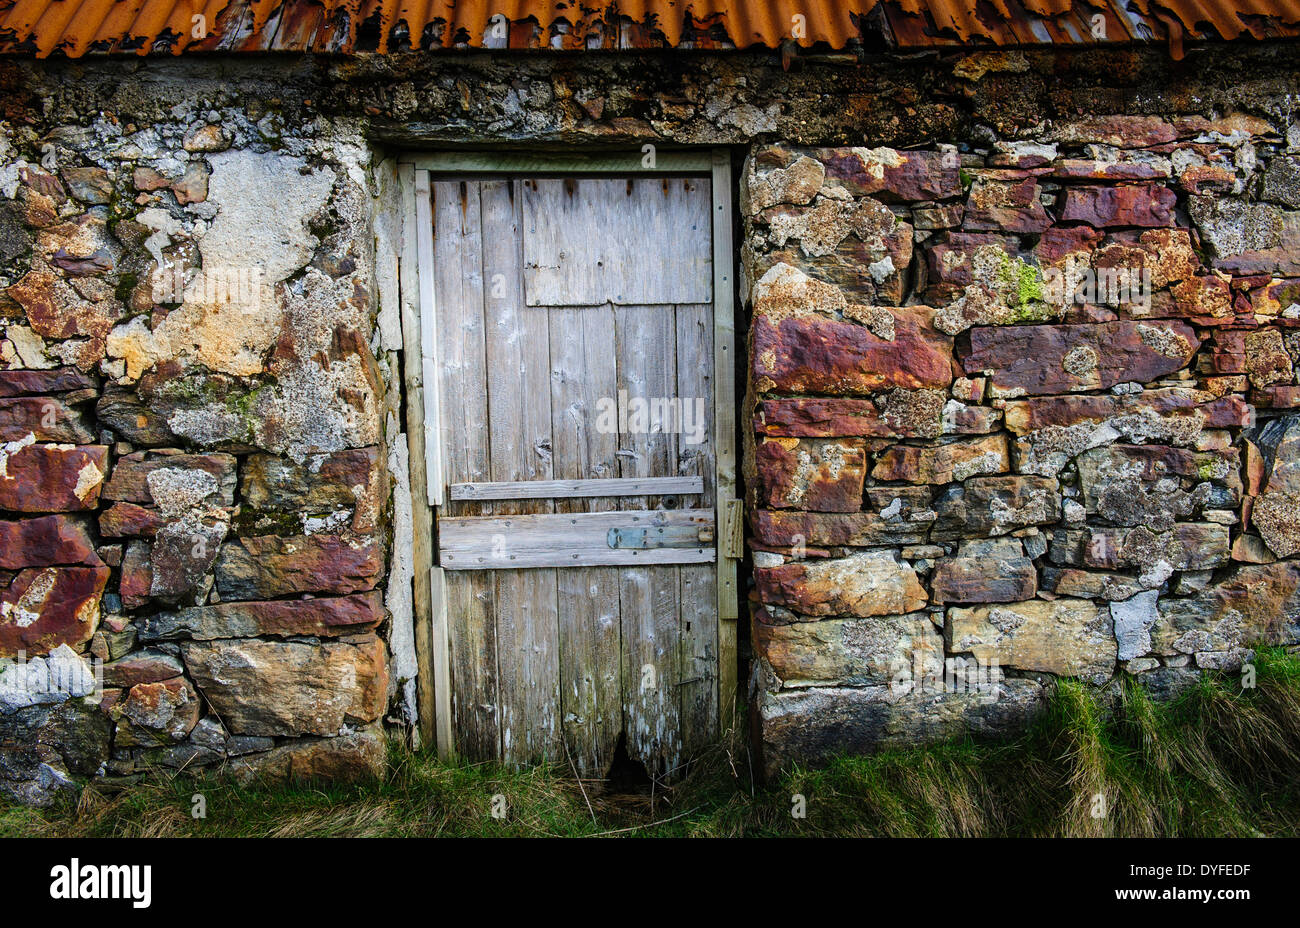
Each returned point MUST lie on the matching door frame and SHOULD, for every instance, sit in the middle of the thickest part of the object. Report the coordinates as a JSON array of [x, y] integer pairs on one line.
[[422, 401]]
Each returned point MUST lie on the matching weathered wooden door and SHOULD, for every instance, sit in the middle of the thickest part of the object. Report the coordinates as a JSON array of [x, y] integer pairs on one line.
[[577, 536]]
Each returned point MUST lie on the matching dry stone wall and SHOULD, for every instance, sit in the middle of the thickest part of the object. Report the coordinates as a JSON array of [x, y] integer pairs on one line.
[[193, 477], [1021, 410]]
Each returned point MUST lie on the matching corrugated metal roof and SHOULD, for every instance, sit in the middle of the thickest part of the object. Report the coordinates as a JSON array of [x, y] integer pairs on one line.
[[77, 27]]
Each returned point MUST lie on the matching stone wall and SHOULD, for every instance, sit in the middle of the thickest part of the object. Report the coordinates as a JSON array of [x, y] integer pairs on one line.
[[1021, 410], [202, 481], [192, 447]]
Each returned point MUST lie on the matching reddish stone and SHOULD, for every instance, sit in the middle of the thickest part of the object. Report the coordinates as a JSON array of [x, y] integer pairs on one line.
[[1138, 205], [57, 380], [937, 216], [157, 713], [1117, 131], [147, 179], [142, 667], [44, 542], [322, 483], [1166, 254], [1279, 396], [44, 184], [821, 476], [137, 576], [268, 565], [812, 354], [1271, 297], [1025, 416], [823, 417], [893, 175], [124, 519], [948, 261], [953, 461], [1281, 258], [46, 607], [55, 310], [130, 481], [291, 688], [1232, 124], [53, 478], [193, 185], [959, 419], [330, 616], [1083, 169], [1208, 297], [863, 584], [1258, 352], [791, 528], [1042, 359], [818, 417], [1005, 206], [1061, 242], [44, 417], [1200, 179]]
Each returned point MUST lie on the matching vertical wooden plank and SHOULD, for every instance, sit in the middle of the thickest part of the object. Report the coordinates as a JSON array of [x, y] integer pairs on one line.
[[583, 375], [470, 595], [429, 340], [724, 385], [439, 635], [646, 351], [699, 594], [458, 295], [434, 631], [434, 715], [471, 619], [651, 667], [519, 426], [646, 348]]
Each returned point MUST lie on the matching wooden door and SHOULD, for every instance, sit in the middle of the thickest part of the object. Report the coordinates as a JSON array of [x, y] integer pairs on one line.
[[578, 537]]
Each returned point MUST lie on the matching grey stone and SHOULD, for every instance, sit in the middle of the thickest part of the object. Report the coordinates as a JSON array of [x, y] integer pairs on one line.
[[811, 725], [1133, 620]]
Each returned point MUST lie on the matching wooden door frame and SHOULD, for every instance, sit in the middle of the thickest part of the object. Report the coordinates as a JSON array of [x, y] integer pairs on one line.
[[421, 383]]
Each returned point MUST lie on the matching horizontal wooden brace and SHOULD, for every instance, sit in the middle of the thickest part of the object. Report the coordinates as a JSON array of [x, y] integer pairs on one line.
[[661, 161], [564, 489], [579, 539]]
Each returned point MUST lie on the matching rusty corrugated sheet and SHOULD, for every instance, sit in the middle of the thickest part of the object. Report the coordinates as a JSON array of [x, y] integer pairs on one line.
[[74, 27], [918, 23], [78, 27]]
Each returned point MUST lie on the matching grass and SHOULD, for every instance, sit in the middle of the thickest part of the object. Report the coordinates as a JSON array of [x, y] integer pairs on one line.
[[1218, 761]]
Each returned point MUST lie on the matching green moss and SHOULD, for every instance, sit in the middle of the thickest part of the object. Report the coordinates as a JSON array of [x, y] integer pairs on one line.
[[251, 521], [125, 287], [1021, 284]]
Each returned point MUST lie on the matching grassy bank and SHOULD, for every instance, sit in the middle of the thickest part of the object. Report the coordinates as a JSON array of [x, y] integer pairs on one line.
[[1218, 761]]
